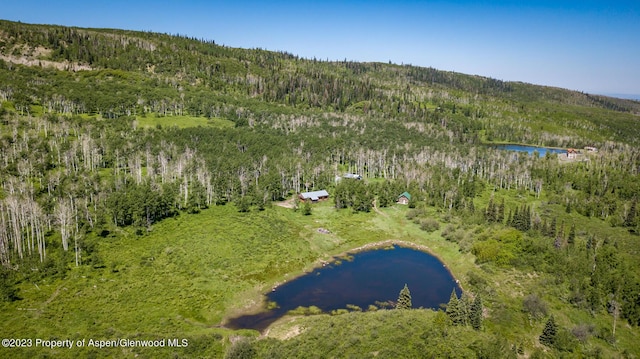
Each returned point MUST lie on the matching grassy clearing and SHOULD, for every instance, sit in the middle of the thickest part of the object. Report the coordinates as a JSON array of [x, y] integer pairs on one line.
[[182, 122], [191, 272]]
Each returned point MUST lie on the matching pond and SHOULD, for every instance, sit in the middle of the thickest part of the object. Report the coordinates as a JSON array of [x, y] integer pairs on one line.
[[542, 151], [366, 278]]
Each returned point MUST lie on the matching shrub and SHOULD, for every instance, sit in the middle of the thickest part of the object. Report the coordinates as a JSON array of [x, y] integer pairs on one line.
[[582, 332], [429, 225], [413, 213], [242, 349], [535, 306]]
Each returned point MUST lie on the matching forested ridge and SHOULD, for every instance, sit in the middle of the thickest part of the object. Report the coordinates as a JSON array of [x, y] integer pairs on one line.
[[105, 134]]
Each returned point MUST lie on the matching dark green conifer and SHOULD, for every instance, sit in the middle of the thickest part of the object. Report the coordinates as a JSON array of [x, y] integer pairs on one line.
[[464, 309], [552, 228], [490, 212], [404, 298], [630, 219], [453, 308], [475, 314], [549, 333], [500, 212], [572, 235]]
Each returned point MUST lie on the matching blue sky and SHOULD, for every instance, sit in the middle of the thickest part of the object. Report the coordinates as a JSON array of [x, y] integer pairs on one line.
[[590, 46]]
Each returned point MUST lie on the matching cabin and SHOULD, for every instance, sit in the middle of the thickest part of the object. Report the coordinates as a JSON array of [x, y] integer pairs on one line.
[[572, 153], [314, 196], [404, 198]]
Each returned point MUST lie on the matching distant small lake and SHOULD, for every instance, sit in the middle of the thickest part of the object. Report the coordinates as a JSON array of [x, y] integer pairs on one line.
[[542, 151], [365, 279]]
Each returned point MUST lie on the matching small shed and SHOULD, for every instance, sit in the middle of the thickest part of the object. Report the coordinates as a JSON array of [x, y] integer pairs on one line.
[[572, 153], [404, 198], [314, 196]]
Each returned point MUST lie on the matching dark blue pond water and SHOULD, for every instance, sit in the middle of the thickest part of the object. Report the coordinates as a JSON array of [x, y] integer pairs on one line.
[[542, 151], [370, 277]]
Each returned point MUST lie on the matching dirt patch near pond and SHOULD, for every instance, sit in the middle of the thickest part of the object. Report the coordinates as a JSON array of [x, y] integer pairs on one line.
[[284, 328]]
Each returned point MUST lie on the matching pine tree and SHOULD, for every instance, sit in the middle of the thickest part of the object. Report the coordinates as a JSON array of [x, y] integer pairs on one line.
[[490, 212], [453, 308], [500, 212], [404, 298], [464, 309], [552, 228], [475, 314], [527, 218], [544, 227], [550, 332], [516, 220], [572, 235], [630, 219]]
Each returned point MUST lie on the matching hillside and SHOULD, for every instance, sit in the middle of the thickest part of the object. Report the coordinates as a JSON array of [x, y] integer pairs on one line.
[[140, 174]]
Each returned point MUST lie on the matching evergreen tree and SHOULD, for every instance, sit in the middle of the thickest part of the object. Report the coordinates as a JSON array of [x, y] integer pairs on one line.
[[243, 204], [630, 219], [490, 211], [8, 291], [572, 235], [516, 221], [549, 333], [500, 212], [475, 315], [453, 308], [412, 202], [404, 298], [464, 309], [552, 228], [306, 209], [527, 218]]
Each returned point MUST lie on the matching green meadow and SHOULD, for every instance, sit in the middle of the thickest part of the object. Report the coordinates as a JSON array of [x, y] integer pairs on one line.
[[185, 121], [189, 273]]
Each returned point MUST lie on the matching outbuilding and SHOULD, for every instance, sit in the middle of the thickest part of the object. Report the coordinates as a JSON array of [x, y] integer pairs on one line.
[[404, 198], [314, 196]]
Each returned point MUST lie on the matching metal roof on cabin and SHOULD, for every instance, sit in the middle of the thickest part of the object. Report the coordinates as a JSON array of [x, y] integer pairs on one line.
[[405, 194], [315, 194]]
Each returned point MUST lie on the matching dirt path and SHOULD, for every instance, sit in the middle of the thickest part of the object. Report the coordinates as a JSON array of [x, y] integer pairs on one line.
[[375, 208]]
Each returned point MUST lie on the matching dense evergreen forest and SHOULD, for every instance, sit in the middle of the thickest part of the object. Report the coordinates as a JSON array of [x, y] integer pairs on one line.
[[106, 134]]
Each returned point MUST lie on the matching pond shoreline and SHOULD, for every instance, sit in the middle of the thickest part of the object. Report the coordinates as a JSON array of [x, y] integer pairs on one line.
[[260, 305]]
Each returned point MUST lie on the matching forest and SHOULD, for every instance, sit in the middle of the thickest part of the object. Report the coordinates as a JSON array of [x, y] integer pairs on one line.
[[130, 155]]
